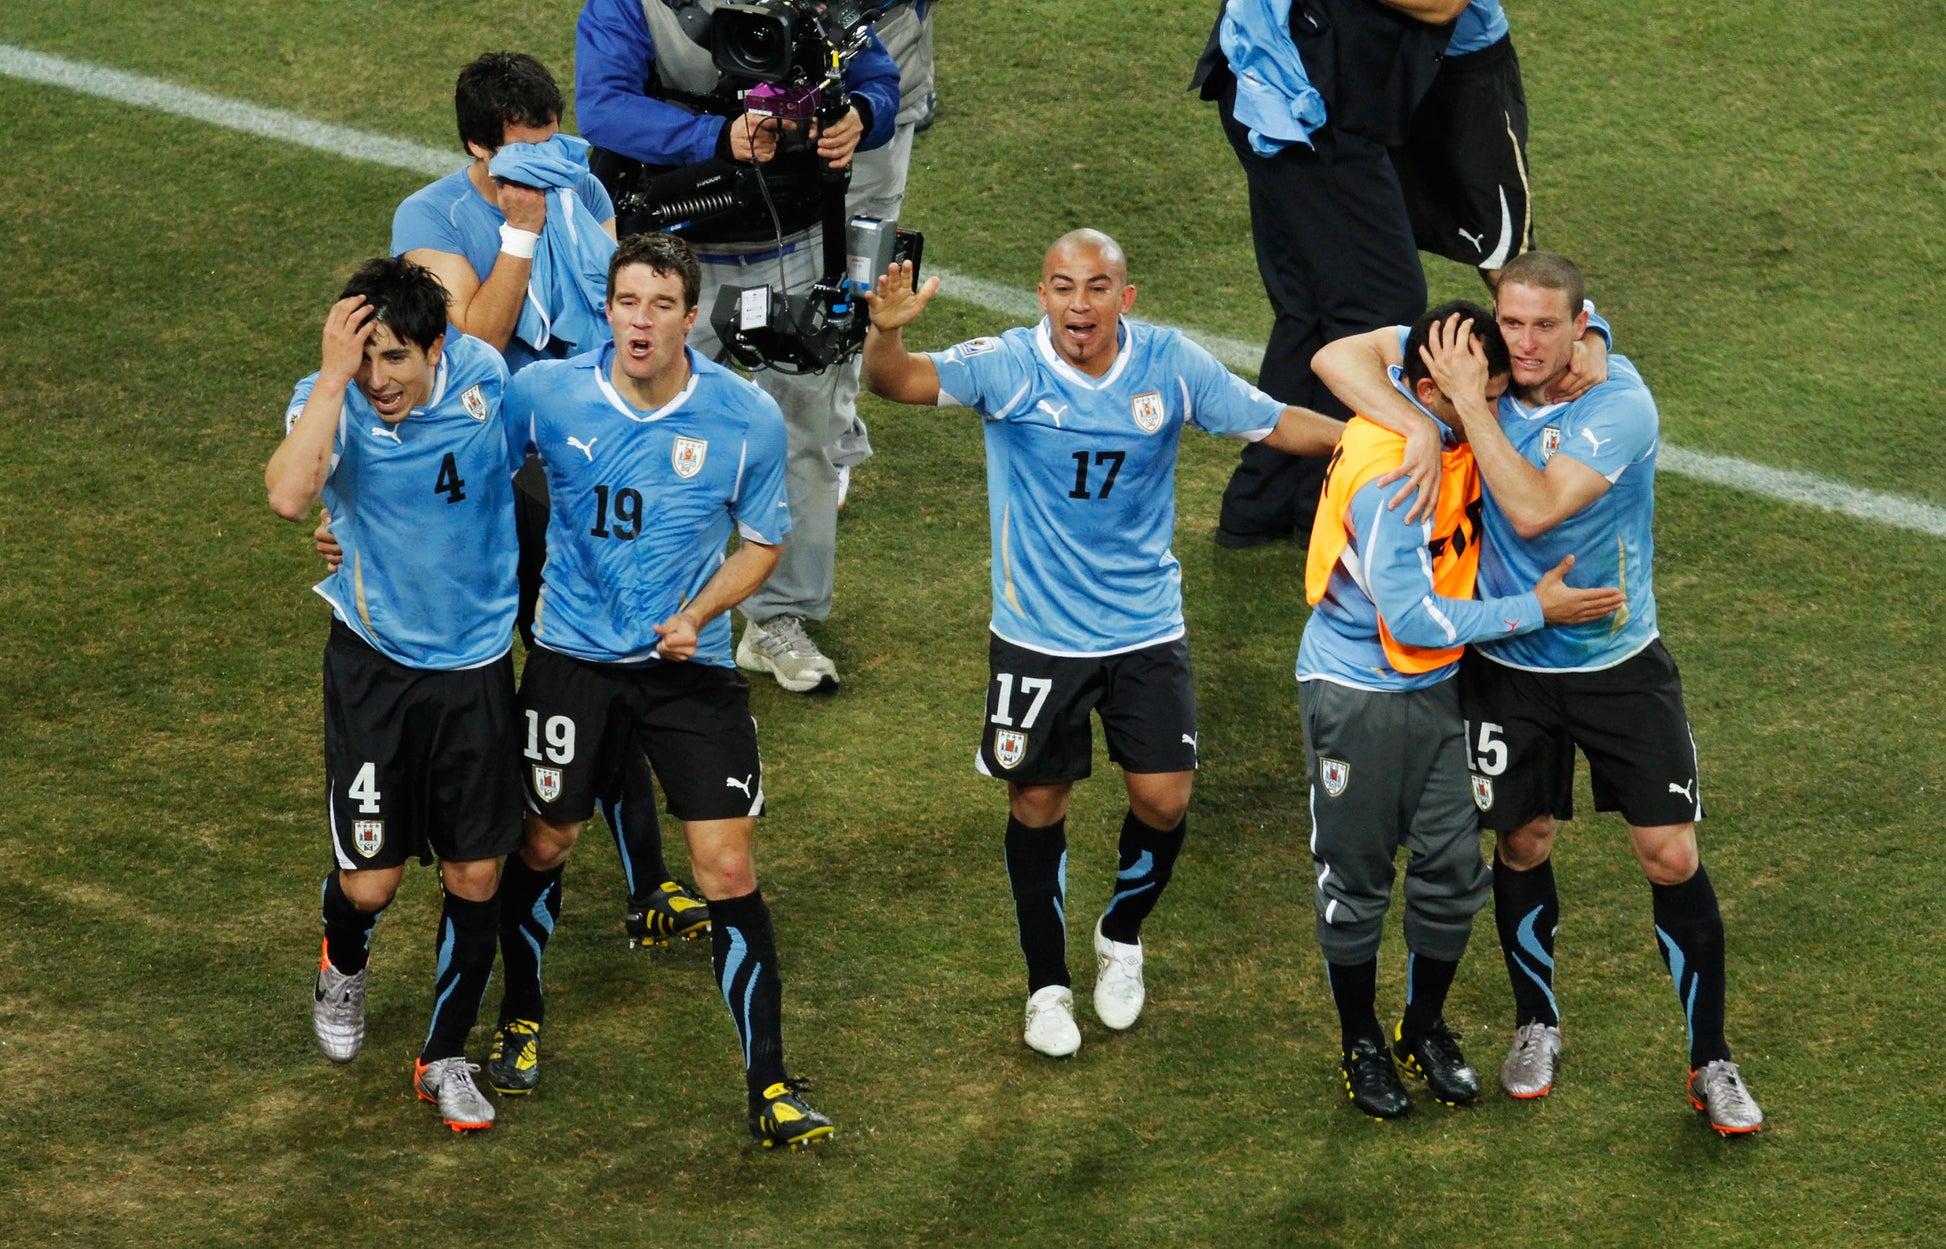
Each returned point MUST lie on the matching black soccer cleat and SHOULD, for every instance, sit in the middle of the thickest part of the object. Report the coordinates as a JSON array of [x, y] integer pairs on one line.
[[672, 911], [782, 1117], [1372, 1083], [513, 1064], [1436, 1059]]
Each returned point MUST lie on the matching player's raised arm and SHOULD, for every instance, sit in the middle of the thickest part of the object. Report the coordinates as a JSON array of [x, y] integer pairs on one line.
[[1356, 368], [301, 465], [892, 372]]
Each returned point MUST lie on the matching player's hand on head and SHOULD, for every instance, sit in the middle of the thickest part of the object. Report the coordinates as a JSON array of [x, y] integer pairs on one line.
[[327, 542], [1562, 604], [838, 142], [525, 206], [1587, 369], [347, 328], [895, 304], [1456, 359], [678, 634]]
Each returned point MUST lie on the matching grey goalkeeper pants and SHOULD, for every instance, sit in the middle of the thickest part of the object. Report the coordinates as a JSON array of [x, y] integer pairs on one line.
[[1388, 769]]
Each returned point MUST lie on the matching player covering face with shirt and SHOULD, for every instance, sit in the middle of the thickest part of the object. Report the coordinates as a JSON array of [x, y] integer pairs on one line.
[[1082, 418]]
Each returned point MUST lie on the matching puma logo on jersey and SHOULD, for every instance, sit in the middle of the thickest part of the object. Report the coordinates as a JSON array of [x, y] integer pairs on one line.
[[1685, 790], [1595, 444], [386, 431], [731, 782], [586, 448], [1052, 411], [1478, 240]]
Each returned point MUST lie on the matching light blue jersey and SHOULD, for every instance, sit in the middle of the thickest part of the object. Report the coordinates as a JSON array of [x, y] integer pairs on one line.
[[425, 513], [1481, 25], [1615, 430], [1081, 479], [644, 502], [451, 216]]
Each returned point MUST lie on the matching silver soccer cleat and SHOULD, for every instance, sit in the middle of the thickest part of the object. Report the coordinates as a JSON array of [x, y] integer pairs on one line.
[[338, 1011], [1718, 1091], [448, 1083], [1529, 1069]]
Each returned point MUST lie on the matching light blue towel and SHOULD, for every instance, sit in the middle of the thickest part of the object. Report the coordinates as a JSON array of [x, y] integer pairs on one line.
[[1275, 98], [569, 284]]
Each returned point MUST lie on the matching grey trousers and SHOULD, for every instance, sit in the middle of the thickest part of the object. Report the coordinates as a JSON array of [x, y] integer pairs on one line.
[[801, 584], [1388, 769]]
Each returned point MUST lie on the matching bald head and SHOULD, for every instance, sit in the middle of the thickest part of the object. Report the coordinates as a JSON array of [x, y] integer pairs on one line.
[[1074, 250]]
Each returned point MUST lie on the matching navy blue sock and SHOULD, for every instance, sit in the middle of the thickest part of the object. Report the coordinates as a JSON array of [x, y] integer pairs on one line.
[[1526, 911], [1037, 868], [743, 950], [1354, 991], [1427, 981], [1689, 933], [530, 903], [347, 930], [468, 935], [629, 808], [1148, 859]]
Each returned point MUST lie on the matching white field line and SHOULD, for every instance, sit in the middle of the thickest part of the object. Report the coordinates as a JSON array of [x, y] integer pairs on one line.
[[1804, 489]]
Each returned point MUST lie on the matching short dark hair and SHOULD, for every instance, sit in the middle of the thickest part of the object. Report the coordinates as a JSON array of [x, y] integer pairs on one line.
[[502, 89], [406, 299], [1549, 271], [1485, 328], [667, 254]]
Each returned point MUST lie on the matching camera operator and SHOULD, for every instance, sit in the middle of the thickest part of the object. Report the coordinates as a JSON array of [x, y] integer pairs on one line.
[[649, 96], [878, 187]]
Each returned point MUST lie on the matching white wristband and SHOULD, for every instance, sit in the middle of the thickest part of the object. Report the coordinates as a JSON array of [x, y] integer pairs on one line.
[[518, 243]]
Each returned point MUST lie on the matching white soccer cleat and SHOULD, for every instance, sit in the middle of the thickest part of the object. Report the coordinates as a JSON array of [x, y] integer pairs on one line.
[[1719, 1092], [338, 1011], [1119, 993], [1051, 1029], [781, 647]]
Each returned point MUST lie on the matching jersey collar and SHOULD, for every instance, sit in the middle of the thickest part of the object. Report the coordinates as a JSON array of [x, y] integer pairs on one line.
[[1044, 340], [439, 374], [604, 359]]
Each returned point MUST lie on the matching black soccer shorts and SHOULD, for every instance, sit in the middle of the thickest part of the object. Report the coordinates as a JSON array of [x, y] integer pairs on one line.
[[1036, 730], [417, 762], [579, 720], [1463, 167], [1523, 727]]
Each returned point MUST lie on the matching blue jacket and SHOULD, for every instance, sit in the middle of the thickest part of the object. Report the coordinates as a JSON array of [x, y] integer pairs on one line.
[[569, 282]]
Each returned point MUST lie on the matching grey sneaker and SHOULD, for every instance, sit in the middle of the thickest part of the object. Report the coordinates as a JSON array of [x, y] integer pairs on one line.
[[338, 1011], [448, 1083], [1529, 1069], [781, 647], [1050, 1027], [1718, 1091], [1119, 993]]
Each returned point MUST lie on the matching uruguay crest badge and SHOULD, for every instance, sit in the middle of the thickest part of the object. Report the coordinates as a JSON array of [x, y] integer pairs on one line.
[[686, 457]]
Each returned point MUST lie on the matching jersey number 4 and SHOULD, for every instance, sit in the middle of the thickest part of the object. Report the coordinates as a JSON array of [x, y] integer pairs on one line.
[[449, 483]]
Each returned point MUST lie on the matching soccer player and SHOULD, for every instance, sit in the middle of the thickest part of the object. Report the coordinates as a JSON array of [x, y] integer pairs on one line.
[[479, 233], [655, 457], [1384, 745], [1083, 413], [1579, 477], [401, 432]]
